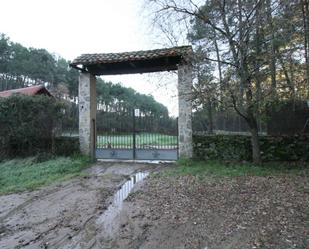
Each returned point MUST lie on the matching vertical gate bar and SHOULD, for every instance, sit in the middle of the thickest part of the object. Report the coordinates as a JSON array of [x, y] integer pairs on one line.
[[123, 145], [177, 135], [149, 134], [170, 142], [136, 129], [108, 136], [130, 138], [117, 130], [120, 129], [154, 133], [154, 136], [145, 130], [98, 140], [124, 132], [114, 135], [93, 155], [134, 137], [158, 135]]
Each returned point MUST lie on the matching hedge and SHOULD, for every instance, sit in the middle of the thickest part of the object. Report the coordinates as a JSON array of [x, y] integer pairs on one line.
[[28, 127], [66, 146], [238, 147], [27, 124]]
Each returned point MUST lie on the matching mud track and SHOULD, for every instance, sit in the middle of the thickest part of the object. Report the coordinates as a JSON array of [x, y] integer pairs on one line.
[[63, 215], [163, 212]]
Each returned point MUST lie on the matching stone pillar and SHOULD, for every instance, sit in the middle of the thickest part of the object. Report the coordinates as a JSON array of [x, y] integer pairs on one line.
[[87, 114], [185, 110]]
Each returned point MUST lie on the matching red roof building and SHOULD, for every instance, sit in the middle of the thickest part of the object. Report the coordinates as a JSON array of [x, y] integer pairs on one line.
[[31, 90]]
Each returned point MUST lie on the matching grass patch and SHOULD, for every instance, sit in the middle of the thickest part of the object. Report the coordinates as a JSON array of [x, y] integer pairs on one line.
[[223, 169], [28, 174]]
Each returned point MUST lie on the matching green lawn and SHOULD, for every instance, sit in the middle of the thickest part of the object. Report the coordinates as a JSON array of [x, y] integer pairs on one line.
[[28, 174], [141, 139], [222, 169]]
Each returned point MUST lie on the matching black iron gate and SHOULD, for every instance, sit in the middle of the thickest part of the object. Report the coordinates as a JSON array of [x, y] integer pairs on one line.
[[136, 135]]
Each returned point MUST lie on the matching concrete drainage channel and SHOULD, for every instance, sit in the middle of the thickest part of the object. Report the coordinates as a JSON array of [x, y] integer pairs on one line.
[[109, 221]]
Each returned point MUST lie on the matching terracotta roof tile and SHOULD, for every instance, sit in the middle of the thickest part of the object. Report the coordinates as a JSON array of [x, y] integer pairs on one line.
[[108, 58], [32, 90]]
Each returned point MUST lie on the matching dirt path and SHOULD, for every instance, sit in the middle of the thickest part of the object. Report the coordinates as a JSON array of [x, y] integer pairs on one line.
[[181, 212], [63, 215], [226, 213]]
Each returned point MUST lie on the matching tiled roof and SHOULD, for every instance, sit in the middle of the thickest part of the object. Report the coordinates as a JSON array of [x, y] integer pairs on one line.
[[109, 58], [32, 90]]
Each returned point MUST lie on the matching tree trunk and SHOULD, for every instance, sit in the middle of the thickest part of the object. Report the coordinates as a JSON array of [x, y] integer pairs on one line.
[[290, 84], [257, 62], [272, 63], [210, 116], [305, 12], [255, 143], [219, 65], [256, 153], [251, 119]]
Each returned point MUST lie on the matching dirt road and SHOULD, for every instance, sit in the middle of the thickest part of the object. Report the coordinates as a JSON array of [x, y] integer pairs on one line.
[[63, 215], [166, 212]]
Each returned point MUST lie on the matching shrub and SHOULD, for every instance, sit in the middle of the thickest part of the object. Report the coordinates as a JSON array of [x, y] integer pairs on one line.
[[27, 124], [238, 147], [66, 146]]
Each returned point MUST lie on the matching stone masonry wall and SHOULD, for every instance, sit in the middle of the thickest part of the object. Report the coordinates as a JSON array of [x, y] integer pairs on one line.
[[185, 110], [238, 147], [87, 99]]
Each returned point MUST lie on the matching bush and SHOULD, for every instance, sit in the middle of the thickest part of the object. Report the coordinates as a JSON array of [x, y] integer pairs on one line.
[[238, 148], [27, 124], [66, 146]]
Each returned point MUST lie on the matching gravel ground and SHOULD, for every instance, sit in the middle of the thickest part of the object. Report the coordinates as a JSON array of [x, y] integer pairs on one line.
[[242, 212]]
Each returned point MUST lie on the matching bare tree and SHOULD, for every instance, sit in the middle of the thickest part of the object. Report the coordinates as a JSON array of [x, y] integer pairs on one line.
[[305, 16], [233, 22], [255, 47]]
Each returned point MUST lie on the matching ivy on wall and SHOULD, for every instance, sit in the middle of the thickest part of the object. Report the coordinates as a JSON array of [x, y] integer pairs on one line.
[[238, 147]]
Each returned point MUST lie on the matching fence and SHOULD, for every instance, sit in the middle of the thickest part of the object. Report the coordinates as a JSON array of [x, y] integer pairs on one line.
[[223, 123], [289, 118]]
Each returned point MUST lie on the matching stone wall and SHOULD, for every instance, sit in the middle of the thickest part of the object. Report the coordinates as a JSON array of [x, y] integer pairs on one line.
[[238, 148]]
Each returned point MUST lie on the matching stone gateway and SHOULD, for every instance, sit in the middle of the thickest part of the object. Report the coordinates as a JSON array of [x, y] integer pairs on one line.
[[91, 65]]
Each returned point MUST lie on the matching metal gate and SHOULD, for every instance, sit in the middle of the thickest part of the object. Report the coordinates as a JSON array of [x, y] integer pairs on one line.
[[136, 135]]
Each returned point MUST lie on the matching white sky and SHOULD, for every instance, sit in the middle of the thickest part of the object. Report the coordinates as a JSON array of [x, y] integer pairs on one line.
[[72, 27]]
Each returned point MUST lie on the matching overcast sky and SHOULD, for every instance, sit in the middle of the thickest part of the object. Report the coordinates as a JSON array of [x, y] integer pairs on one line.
[[72, 27]]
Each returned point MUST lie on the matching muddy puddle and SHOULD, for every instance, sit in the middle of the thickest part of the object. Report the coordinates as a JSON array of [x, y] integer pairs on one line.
[[70, 215], [109, 221]]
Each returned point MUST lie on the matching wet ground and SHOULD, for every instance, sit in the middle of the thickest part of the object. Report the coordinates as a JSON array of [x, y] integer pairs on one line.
[[117, 205], [72, 214]]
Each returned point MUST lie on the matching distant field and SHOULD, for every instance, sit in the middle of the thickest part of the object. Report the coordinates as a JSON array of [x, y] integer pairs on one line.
[[142, 140]]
